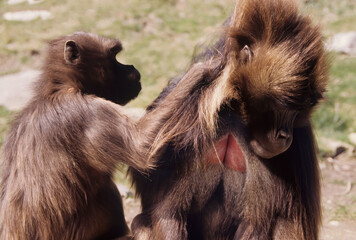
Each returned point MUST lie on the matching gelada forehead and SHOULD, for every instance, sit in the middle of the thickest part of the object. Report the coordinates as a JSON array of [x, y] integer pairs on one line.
[[90, 40]]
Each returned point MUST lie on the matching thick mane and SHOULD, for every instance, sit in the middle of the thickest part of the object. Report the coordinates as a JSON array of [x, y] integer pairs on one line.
[[288, 64], [289, 57], [266, 21], [189, 133]]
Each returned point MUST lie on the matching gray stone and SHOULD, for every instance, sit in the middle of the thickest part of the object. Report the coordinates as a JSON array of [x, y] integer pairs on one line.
[[344, 42], [26, 16], [14, 2], [352, 138], [16, 89]]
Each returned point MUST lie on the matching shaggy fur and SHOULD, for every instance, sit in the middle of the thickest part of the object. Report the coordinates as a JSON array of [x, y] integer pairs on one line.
[[62, 149], [258, 83]]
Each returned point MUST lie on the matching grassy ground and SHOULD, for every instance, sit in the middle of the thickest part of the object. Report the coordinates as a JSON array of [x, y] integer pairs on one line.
[[336, 116], [159, 37]]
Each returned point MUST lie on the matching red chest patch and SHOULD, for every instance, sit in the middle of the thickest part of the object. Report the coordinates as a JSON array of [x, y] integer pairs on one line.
[[227, 151]]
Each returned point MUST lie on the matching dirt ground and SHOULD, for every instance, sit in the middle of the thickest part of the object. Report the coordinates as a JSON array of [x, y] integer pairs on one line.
[[339, 199]]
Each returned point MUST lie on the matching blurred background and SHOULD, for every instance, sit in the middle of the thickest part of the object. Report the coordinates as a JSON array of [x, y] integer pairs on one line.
[[159, 38]]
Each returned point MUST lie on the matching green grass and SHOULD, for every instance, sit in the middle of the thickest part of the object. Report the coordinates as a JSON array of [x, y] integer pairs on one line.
[[335, 16], [338, 182], [335, 118], [343, 212]]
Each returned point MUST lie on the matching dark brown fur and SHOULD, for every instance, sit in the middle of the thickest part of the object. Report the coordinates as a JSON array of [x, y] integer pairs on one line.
[[259, 84], [59, 157]]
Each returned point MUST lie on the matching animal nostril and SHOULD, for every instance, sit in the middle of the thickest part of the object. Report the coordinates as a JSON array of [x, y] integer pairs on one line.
[[134, 75], [282, 135]]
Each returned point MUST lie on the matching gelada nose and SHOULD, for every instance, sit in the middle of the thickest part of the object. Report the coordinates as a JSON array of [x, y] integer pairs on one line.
[[283, 135]]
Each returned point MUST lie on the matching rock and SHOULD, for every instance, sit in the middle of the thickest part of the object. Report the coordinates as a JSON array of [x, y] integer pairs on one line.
[[31, 2], [344, 42], [16, 89], [26, 16], [334, 223], [352, 138], [336, 147], [339, 150], [135, 113], [13, 2], [124, 191]]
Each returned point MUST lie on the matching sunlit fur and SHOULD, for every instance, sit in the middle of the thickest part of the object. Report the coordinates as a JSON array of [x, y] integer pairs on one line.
[[277, 198]]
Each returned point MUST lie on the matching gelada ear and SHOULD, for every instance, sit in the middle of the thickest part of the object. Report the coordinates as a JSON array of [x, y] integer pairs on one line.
[[71, 52], [246, 54]]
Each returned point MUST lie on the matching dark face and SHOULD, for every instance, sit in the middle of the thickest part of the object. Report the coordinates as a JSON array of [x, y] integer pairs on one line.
[[270, 123], [128, 85], [271, 101], [270, 129], [124, 80], [94, 59]]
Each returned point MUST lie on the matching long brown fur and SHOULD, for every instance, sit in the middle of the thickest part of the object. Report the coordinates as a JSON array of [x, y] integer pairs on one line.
[[62, 149], [267, 72]]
